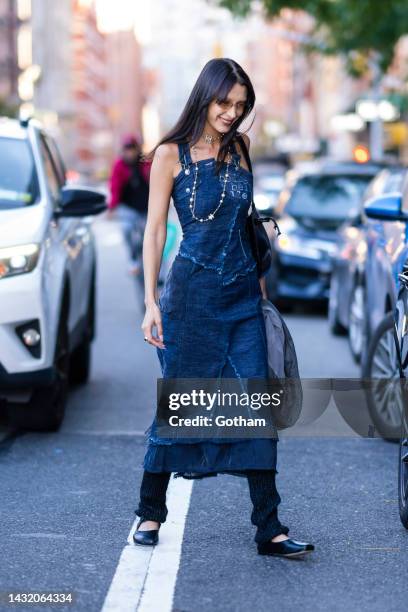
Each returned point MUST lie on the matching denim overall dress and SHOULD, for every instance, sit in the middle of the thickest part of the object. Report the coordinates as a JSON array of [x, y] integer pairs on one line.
[[212, 320]]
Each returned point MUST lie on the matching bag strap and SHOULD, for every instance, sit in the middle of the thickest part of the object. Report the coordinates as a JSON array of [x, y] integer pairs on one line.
[[257, 217], [249, 164], [184, 155]]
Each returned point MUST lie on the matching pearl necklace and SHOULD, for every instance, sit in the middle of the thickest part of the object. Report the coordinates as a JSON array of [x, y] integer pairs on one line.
[[211, 216]]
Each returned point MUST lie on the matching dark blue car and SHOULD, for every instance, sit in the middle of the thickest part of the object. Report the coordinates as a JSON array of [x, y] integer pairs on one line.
[[313, 209]]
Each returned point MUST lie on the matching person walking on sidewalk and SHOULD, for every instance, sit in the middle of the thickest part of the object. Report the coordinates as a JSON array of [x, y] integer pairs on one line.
[[208, 321], [129, 195]]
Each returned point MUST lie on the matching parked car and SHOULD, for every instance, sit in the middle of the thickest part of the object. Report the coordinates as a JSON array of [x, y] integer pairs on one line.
[[352, 278], [401, 340], [47, 276], [313, 209], [381, 362]]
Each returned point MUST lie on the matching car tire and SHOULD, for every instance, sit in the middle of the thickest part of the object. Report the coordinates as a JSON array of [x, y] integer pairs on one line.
[[81, 356], [403, 479], [46, 409], [384, 402], [357, 322], [336, 328], [80, 367]]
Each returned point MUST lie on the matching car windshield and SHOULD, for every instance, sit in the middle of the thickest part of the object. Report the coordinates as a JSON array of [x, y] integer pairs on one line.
[[331, 198], [18, 177]]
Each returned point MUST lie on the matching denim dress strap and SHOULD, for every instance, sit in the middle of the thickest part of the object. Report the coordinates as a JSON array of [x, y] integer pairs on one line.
[[236, 157], [184, 155]]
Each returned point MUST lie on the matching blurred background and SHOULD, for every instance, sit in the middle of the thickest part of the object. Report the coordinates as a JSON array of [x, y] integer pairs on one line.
[[94, 69], [329, 143], [329, 133]]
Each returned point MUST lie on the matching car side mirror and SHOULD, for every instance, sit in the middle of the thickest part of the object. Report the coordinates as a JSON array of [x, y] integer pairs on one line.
[[386, 208], [78, 201]]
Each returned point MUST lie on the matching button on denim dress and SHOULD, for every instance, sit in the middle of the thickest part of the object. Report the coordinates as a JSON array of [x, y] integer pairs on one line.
[[212, 320]]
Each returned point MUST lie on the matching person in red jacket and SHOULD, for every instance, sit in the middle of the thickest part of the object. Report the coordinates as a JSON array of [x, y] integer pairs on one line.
[[129, 195]]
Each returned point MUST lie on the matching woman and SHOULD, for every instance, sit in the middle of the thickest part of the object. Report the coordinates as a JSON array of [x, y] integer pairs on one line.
[[208, 319], [129, 193]]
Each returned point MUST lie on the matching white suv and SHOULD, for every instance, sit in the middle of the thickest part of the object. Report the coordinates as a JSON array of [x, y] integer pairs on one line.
[[47, 276]]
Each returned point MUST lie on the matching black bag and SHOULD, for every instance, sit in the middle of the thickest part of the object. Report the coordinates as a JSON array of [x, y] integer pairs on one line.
[[282, 365], [260, 244]]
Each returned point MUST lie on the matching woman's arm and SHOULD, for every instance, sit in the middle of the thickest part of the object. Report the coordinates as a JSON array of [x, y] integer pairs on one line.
[[161, 185]]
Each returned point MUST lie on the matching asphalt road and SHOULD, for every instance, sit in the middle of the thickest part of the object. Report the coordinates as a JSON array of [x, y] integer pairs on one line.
[[68, 498]]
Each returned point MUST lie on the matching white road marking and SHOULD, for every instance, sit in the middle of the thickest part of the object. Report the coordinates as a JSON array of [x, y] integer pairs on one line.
[[145, 577], [162, 575], [127, 584]]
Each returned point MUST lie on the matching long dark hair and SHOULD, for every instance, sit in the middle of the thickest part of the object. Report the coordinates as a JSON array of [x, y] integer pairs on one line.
[[214, 83]]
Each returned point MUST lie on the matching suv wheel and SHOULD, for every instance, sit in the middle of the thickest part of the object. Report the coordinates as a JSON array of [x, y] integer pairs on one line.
[[335, 326], [357, 323], [382, 369]]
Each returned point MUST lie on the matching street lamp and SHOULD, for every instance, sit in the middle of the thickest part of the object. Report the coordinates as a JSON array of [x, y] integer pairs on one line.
[[387, 111], [375, 111], [367, 110], [372, 110]]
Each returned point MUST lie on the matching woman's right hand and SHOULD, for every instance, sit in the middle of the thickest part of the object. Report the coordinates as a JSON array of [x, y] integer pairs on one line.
[[152, 319]]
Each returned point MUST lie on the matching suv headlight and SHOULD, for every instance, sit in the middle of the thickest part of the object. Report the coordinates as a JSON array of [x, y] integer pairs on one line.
[[18, 259]]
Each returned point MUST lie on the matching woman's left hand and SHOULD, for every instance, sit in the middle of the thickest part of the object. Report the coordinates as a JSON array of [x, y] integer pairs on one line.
[[152, 319]]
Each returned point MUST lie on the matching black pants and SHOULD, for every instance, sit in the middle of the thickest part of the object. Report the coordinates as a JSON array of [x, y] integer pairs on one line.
[[262, 490]]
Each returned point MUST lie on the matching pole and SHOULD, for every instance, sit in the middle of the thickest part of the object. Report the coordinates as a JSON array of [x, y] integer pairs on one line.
[[376, 126]]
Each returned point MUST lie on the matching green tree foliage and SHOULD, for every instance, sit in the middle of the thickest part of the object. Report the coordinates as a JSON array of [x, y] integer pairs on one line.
[[355, 28]]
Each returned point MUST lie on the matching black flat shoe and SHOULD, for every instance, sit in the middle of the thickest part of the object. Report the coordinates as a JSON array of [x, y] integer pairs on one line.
[[145, 538], [286, 548]]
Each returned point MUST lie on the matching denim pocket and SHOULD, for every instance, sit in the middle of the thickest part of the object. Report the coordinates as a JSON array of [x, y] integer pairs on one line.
[[204, 295]]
